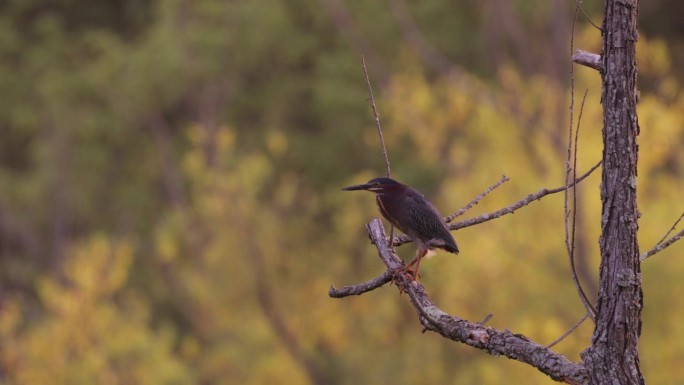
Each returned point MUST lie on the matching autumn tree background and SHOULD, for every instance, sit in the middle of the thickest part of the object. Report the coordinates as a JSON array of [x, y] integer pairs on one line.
[[170, 209]]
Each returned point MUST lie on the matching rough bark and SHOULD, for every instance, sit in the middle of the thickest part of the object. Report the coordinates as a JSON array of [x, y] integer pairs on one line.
[[496, 342], [613, 357]]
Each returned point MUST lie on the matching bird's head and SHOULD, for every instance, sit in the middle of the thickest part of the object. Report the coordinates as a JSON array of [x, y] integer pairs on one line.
[[377, 185]]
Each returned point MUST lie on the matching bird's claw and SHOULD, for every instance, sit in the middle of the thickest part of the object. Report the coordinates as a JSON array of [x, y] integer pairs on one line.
[[407, 270]]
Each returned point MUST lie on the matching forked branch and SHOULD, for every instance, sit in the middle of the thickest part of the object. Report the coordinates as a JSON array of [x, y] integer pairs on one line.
[[662, 244], [494, 341], [402, 239], [387, 276], [476, 200]]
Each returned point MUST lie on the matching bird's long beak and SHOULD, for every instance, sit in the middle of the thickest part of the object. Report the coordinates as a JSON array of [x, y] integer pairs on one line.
[[364, 186]]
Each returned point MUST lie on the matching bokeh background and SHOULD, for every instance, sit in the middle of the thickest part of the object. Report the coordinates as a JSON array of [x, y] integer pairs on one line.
[[170, 174]]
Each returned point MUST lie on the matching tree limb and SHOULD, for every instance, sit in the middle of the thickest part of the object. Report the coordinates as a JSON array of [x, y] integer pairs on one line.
[[361, 288], [570, 235], [661, 246], [494, 341], [662, 243], [476, 200], [402, 239], [569, 331], [588, 59]]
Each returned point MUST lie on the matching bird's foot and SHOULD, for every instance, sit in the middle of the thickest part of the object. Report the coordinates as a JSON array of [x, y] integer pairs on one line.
[[407, 270]]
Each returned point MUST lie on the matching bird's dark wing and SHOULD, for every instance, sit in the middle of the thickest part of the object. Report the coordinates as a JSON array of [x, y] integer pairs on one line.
[[427, 222]]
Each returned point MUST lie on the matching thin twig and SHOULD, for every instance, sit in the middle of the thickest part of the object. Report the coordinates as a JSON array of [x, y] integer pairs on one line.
[[496, 342], [572, 117], [402, 239], [476, 200], [660, 246], [521, 203], [570, 234], [486, 319], [571, 251], [579, 5], [377, 125], [567, 333], [587, 59], [377, 118], [674, 226], [360, 288]]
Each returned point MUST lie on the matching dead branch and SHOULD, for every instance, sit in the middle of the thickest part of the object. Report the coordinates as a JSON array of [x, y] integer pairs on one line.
[[377, 125], [377, 118], [570, 235], [476, 200], [402, 239], [494, 341], [661, 246], [588, 59], [361, 288], [569, 331], [579, 6], [672, 228]]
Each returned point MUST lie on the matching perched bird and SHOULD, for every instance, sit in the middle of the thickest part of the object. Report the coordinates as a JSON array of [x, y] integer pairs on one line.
[[409, 211]]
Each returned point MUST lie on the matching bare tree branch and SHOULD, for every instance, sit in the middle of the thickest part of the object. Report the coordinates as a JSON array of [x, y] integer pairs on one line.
[[402, 239], [674, 226], [579, 6], [570, 235], [380, 136], [570, 331], [377, 118], [588, 59], [476, 200], [494, 341], [661, 246], [568, 246], [361, 288]]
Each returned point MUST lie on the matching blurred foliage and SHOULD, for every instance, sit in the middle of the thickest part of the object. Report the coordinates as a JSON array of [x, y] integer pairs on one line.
[[170, 209]]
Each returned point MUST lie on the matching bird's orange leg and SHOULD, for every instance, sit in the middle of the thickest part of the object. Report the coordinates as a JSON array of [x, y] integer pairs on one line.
[[416, 261], [421, 254]]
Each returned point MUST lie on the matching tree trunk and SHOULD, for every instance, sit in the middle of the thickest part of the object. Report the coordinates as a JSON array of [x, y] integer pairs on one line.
[[613, 357]]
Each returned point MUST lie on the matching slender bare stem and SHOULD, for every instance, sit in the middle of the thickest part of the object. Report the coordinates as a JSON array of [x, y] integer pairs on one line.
[[572, 117], [579, 5], [361, 287], [494, 341], [674, 226], [486, 319], [523, 202], [570, 233], [662, 244], [571, 249], [569, 331], [476, 200], [587, 59], [380, 136], [402, 239], [377, 118]]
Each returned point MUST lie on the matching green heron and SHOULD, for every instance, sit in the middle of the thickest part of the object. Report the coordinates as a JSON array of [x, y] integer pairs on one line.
[[409, 211]]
